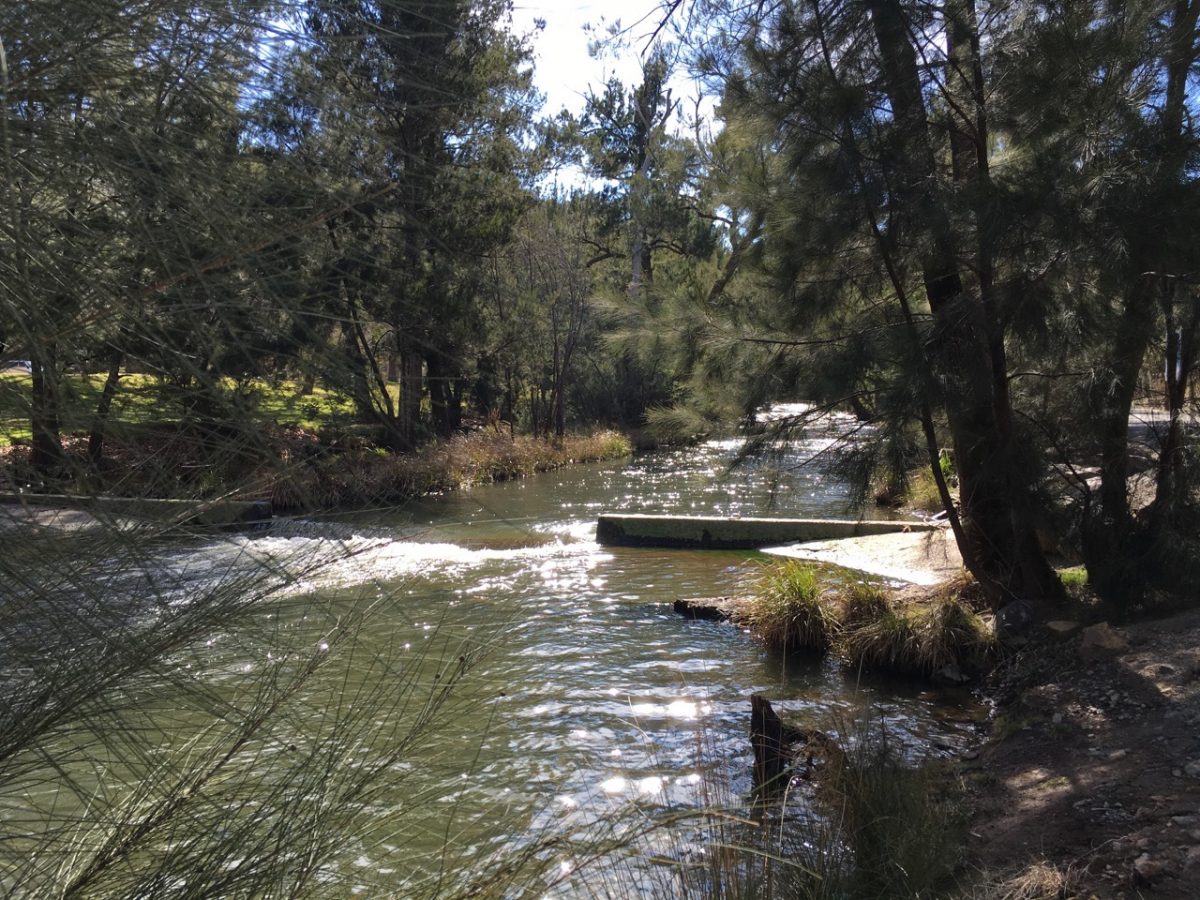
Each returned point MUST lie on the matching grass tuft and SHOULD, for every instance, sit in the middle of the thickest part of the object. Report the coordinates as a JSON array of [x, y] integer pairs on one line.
[[885, 641], [919, 639], [789, 610], [949, 634], [863, 602]]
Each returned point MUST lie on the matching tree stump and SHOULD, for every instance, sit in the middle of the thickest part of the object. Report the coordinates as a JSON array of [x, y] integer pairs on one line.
[[772, 756]]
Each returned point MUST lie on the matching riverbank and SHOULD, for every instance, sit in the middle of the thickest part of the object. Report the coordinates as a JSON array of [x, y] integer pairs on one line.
[[1090, 781], [1086, 780], [297, 469]]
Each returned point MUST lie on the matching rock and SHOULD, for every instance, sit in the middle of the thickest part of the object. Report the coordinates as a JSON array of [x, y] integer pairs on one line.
[[1178, 773], [971, 754], [1186, 821], [1147, 868], [951, 674], [1100, 639], [1013, 621], [1191, 862], [1118, 754], [1062, 628], [711, 609], [1192, 769], [1144, 843], [1057, 719]]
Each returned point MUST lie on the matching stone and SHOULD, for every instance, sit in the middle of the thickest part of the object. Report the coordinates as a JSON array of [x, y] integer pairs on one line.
[[711, 609], [1057, 718], [1148, 868], [1192, 769], [1100, 639], [1186, 821], [1118, 754], [951, 674], [1191, 862], [1062, 628]]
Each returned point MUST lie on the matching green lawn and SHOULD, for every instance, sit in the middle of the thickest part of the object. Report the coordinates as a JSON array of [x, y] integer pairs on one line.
[[142, 400]]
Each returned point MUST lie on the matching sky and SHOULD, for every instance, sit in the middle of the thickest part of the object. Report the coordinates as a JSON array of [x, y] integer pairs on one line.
[[564, 70]]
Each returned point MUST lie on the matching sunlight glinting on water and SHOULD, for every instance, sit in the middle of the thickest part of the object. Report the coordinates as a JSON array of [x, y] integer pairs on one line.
[[596, 694]]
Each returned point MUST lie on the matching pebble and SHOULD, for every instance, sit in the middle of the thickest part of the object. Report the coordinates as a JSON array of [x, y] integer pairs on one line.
[[1192, 860], [1186, 821], [1178, 773], [1057, 718], [1144, 843], [1118, 754], [1192, 769]]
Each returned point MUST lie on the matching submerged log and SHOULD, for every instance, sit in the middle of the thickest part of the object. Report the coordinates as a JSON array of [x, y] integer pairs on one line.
[[712, 609]]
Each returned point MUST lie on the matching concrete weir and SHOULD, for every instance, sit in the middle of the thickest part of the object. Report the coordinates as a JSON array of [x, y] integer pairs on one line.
[[724, 533], [205, 513]]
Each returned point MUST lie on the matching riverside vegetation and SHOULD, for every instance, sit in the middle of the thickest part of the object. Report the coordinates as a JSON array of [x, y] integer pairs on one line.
[[791, 609]]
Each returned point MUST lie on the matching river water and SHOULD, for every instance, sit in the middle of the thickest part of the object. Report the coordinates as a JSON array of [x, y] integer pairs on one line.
[[593, 697]]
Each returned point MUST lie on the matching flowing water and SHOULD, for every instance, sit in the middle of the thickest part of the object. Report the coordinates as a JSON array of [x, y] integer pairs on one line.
[[594, 695]]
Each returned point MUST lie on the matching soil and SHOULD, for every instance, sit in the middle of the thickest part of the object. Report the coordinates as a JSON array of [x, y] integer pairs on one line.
[[1093, 766]]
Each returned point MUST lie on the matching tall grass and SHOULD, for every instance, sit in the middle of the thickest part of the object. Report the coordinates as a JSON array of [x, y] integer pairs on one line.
[[793, 608], [868, 825], [789, 611]]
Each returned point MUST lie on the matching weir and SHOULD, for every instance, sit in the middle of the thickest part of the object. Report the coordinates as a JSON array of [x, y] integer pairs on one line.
[[736, 533], [211, 513]]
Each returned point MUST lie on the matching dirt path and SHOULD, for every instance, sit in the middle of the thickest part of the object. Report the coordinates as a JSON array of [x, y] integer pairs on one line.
[[1094, 765]]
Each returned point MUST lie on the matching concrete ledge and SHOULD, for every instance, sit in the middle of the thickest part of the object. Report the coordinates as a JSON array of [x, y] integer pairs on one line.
[[213, 513], [719, 533]]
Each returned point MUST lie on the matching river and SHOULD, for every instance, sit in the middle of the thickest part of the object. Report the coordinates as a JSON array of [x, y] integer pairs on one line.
[[593, 698]]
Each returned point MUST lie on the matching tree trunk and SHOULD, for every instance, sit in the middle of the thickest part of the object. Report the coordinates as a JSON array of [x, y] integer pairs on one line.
[[966, 347], [439, 393], [103, 407], [1182, 332], [46, 456], [409, 411]]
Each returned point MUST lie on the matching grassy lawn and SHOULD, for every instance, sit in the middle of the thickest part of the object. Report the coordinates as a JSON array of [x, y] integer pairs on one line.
[[143, 400]]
